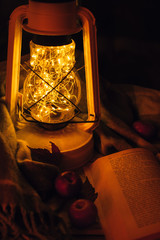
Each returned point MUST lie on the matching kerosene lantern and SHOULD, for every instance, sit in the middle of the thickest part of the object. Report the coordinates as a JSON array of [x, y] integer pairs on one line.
[[58, 99]]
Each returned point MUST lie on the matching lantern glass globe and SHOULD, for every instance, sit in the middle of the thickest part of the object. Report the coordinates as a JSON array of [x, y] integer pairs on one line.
[[52, 88]]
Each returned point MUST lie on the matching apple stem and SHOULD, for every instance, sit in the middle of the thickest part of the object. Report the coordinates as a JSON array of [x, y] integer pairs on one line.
[[79, 205]]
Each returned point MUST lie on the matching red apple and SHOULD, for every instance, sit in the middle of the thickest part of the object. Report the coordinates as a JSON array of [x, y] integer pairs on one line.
[[82, 213], [68, 184], [145, 129]]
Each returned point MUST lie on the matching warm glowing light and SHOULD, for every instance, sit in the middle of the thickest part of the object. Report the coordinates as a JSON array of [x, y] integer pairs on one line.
[[52, 88]]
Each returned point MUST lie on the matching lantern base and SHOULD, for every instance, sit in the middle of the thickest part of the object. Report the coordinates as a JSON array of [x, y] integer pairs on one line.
[[76, 145], [52, 127]]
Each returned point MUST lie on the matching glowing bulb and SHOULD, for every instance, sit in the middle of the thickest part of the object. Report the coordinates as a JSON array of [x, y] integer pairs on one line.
[[52, 90], [32, 63], [34, 56]]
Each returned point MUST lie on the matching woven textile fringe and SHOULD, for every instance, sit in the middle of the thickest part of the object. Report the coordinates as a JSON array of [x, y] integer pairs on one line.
[[23, 214]]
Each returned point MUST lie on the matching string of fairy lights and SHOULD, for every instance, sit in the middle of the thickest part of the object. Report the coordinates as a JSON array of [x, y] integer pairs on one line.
[[52, 88]]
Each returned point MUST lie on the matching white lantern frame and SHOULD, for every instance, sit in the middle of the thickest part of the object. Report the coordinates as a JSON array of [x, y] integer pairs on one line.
[[49, 13]]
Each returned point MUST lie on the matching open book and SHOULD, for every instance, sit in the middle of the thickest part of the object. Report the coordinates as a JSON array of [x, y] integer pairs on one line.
[[128, 186]]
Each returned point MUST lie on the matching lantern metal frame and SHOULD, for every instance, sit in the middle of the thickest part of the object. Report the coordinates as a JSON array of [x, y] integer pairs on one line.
[[54, 19]]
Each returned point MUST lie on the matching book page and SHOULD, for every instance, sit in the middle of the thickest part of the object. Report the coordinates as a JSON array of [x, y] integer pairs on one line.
[[128, 186]]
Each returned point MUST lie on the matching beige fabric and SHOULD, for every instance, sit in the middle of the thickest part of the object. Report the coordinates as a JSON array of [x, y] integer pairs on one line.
[[121, 105], [24, 213], [24, 184]]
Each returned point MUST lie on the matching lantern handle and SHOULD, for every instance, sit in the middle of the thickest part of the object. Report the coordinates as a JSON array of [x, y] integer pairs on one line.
[[91, 66], [13, 57]]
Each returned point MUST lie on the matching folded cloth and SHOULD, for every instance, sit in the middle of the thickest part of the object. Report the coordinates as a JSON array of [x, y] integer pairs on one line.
[[26, 183], [23, 214], [121, 105]]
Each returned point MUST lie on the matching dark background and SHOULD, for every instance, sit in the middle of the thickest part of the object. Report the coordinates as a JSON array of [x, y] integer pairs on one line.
[[128, 38]]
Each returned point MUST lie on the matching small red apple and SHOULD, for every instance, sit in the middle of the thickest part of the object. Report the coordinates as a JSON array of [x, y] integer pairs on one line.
[[68, 184], [82, 213], [145, 129]]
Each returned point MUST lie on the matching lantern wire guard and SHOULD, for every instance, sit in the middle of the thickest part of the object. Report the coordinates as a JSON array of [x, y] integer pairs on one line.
[[52, 89]]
